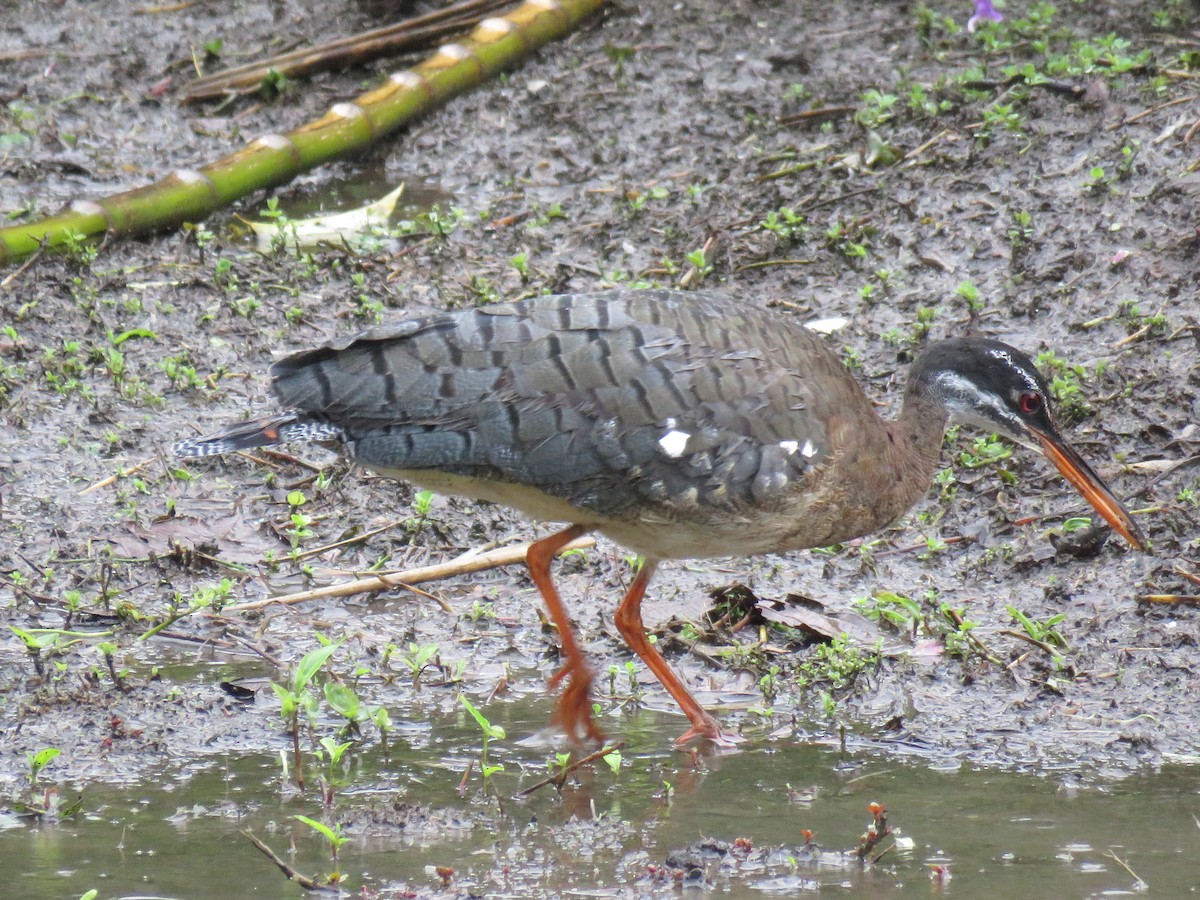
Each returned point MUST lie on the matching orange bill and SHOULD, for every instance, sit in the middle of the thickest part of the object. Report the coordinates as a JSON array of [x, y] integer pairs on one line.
[[1093, 489]]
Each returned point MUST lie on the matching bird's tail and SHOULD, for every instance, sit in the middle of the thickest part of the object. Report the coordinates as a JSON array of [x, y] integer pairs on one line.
[[283, 429]]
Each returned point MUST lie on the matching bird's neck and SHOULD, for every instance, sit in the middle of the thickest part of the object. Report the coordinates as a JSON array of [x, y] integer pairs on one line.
[[918, 435]]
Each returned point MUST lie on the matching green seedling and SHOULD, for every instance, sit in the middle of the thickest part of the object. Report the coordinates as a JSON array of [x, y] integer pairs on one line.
[[1021, 231], [701, 265], [1066, 384], [969, 292], [637, 202], [837, 663], [39, 641], [850, 239], [520, 262], [902, 612], [958, 638], [485, 293], [297, 697], [298, 531], [876, 108], [490, 733], [333, 837], [206, 598], [383, 721], [1043, 632], [768, 685], [422, 503], [613, 758], [368, 307], [785, 224], [985, 451], [49, 805], [1000, 117], [109, 651], [1097, 182], [559, 765], [345, 702], [36, 762], [418, 658], [330, 754]]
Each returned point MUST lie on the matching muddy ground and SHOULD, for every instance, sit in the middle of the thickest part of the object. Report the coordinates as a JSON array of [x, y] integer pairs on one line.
[[655, 131]]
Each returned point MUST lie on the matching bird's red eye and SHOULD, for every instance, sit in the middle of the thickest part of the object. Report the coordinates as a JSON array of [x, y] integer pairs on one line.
[[1030, 402]]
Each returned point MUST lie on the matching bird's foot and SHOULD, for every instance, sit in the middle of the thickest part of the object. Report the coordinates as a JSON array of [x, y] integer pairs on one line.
[[574, 711], [708, 729]]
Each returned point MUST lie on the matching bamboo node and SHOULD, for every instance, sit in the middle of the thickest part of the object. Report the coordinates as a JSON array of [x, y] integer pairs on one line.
[[348, 110], [191, 176], [454, 53], [273, 142], [493, 29], [88, 208], [406, 79]]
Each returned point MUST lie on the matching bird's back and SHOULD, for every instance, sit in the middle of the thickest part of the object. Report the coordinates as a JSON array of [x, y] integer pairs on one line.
[[681, 424]]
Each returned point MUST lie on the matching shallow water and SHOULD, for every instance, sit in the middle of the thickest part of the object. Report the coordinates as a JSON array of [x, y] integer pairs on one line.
[[999, 834]]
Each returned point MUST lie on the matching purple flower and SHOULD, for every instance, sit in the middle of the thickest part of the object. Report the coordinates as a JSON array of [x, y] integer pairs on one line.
[[983, 11]]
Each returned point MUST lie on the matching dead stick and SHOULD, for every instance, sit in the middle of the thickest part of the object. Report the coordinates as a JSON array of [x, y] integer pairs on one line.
[[559, 776], [113, 479], [1029, 639], [303, 880], [358, 538], [1124, 865], [388, 40], [503, 557]]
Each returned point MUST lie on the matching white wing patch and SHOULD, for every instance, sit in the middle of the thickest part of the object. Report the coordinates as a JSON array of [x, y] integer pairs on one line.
[[674, 442], [808, 451]]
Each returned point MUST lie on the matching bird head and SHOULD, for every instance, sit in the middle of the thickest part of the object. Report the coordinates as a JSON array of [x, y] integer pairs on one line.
[[997, 387]]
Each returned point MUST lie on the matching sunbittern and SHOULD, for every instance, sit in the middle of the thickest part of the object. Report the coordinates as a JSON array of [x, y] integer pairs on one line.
[[681, 425]]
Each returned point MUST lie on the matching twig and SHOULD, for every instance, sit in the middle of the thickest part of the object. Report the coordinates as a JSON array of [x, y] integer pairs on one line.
[[1194, 579], [503, 557], [1124, 865], [303, 880], [1153, 482], [768, 263], [1147, 112], [358, 538], [558, 777], [1168, 599], [113, 479], [1065, 88], [1041, 645], [911, 155], [13, 276], [838, 199], [410, 34], [923, 545], [823, 112]]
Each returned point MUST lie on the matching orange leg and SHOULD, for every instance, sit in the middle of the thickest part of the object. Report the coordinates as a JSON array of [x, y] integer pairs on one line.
[[574, 712], [629, 623]]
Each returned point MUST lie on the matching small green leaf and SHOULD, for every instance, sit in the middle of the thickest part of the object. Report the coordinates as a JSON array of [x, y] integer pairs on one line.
[[343, 700], [310, 664]]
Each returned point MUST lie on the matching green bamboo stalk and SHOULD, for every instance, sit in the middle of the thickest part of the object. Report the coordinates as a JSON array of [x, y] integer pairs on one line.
[[189, 195]]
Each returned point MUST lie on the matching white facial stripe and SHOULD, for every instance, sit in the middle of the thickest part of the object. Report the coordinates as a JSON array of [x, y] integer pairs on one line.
[[966, 403], [789, 447], [1006, 357]]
